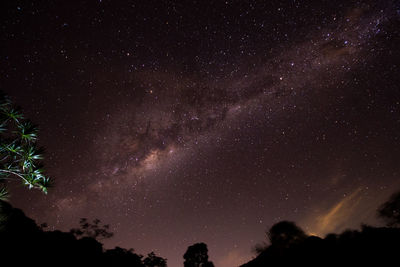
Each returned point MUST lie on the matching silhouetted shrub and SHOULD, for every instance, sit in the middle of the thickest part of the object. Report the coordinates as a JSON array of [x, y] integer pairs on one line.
[[92, 229], [22, 242], [390, 211], [197, 256], [154, 261], [285, 234], [371, 245]]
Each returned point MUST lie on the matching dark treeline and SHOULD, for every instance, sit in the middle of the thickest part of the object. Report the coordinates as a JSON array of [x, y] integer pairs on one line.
[[371, 246], [22, 242], [356, 248]]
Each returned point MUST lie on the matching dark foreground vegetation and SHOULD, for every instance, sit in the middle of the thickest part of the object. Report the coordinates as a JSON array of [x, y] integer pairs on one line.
[[371, 245], [24, 243]]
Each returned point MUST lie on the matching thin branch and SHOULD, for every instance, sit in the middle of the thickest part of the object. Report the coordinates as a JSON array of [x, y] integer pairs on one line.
[[20, 176]]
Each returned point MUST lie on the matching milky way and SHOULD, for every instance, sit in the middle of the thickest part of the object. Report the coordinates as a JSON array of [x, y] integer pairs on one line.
[[178, 124], [182, 108]]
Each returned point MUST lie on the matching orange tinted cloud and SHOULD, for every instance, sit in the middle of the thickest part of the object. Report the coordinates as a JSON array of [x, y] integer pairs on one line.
[[337, 217]]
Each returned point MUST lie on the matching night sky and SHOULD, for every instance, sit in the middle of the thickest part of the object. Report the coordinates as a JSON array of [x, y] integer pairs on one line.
[[179, 122]]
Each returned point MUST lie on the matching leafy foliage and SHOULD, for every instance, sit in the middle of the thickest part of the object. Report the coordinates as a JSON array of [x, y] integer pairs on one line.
[[390, 211], [197, 256], [3, 193], [21, 235], [92, 229], [19, 156], [281, 235], [152, 260], [285, 234]]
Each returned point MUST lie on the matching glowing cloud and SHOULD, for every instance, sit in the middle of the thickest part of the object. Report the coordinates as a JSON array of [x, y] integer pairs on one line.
[[336, 218]]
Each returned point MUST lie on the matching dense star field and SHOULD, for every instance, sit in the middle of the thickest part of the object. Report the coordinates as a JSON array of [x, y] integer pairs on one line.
[[179, 122]]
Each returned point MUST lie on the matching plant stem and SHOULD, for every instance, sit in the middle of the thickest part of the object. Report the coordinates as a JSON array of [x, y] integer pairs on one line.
[[19, 175]]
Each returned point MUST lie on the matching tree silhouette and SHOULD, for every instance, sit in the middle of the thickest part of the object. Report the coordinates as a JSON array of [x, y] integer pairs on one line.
[[19, 156], [390, 211], [371, 245], [154, 261], [290, 246], [93, 230], [197, 256], [24, 243], [281, 235], [285, 234], [260, 248]]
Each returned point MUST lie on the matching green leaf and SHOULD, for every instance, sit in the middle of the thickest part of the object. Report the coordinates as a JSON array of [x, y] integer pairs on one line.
[[18, 153], [3, 127], [27, 165], [38, 173], [28, 131], [13, 148], [14, 114], [5, 103], [44, 184], [4, 193], [30, 156]]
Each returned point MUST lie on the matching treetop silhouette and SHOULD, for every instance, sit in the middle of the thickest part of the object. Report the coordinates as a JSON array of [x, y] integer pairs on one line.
[[197, 256], [92, 229], [285, 234], [390, 211], [152, 260], [20, 235]]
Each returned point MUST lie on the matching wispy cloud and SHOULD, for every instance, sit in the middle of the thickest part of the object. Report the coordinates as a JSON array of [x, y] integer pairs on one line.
[[337, 217]]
